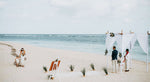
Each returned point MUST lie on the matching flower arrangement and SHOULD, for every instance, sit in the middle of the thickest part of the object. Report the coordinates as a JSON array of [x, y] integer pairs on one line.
[[50, 77], [44, 68], [118, 61], [92, 66], [105, 70], [120, 55], [106, 51], [71, 68], [83, 72], [112, 34]]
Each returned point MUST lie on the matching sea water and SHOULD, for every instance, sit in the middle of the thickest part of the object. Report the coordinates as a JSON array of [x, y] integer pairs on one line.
[[91, 43]]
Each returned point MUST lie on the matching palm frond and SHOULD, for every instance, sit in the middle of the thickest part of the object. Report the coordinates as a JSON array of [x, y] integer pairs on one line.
[[106, 51], [92, 66], [83, 72], [105, 70], [44, 68], [71, 68]]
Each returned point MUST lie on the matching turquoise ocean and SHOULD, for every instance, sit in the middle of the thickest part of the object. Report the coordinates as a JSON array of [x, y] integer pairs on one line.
[[90, 43]]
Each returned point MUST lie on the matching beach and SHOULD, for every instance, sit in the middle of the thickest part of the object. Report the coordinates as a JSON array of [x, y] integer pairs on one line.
[[37, 57]]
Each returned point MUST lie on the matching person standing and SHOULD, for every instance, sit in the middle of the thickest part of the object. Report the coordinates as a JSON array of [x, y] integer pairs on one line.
[[127, 60], [114, 59]]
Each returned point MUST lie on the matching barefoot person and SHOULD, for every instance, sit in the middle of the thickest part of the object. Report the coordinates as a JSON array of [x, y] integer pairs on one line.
[[19, 61], [126, 60], [114, 59]]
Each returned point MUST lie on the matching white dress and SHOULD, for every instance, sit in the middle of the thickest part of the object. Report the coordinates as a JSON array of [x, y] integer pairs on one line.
[[17, 60], [22, 58], [127, 62]]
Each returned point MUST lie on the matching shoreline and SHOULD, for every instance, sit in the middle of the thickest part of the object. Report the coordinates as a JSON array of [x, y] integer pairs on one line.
[[37, 57], [5, 42]]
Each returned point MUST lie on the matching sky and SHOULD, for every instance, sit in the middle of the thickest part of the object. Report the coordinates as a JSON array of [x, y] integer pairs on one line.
[[73, 16]]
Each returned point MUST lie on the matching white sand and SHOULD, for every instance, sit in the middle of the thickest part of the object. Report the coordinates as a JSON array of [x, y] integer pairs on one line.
[[37, 57]]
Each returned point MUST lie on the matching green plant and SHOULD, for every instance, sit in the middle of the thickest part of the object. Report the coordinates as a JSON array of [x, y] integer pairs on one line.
[[106, 51], [92, 66], [105, 70], [83, 72], [44, 68], [71, 68]]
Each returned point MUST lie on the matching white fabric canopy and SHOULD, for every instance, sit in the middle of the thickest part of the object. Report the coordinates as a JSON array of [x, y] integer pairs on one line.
[[127, 38], [119, 42], [143, 41], [109, 41], [127, 41], [123, 41], [132, 42]]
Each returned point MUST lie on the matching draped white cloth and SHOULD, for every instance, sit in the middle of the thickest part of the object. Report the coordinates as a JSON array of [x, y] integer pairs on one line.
[[143, 41], [132, 42], [119, 40], [123, 41], [110, 41], [127, 41]]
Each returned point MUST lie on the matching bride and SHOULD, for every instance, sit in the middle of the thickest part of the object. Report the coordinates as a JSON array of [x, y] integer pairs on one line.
[[19, 61]]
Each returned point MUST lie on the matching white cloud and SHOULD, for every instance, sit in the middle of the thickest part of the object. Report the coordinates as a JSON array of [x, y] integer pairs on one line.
[[123, 7], [95, 8], [66, 3], [70, 14], [83, 8], [128, 20], [145, 2], [2, 4]]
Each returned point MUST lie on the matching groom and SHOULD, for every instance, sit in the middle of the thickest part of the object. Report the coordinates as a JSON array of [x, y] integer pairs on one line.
[[114, 59]]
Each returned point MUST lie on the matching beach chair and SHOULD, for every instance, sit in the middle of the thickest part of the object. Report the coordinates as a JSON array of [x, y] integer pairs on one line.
[[54, 68], [54, 65]]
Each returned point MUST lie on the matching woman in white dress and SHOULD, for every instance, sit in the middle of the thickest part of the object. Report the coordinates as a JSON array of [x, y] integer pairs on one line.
[[19, 61]]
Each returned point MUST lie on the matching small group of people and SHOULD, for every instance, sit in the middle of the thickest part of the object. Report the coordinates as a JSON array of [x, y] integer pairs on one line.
[[19, 61], [120, 65]]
